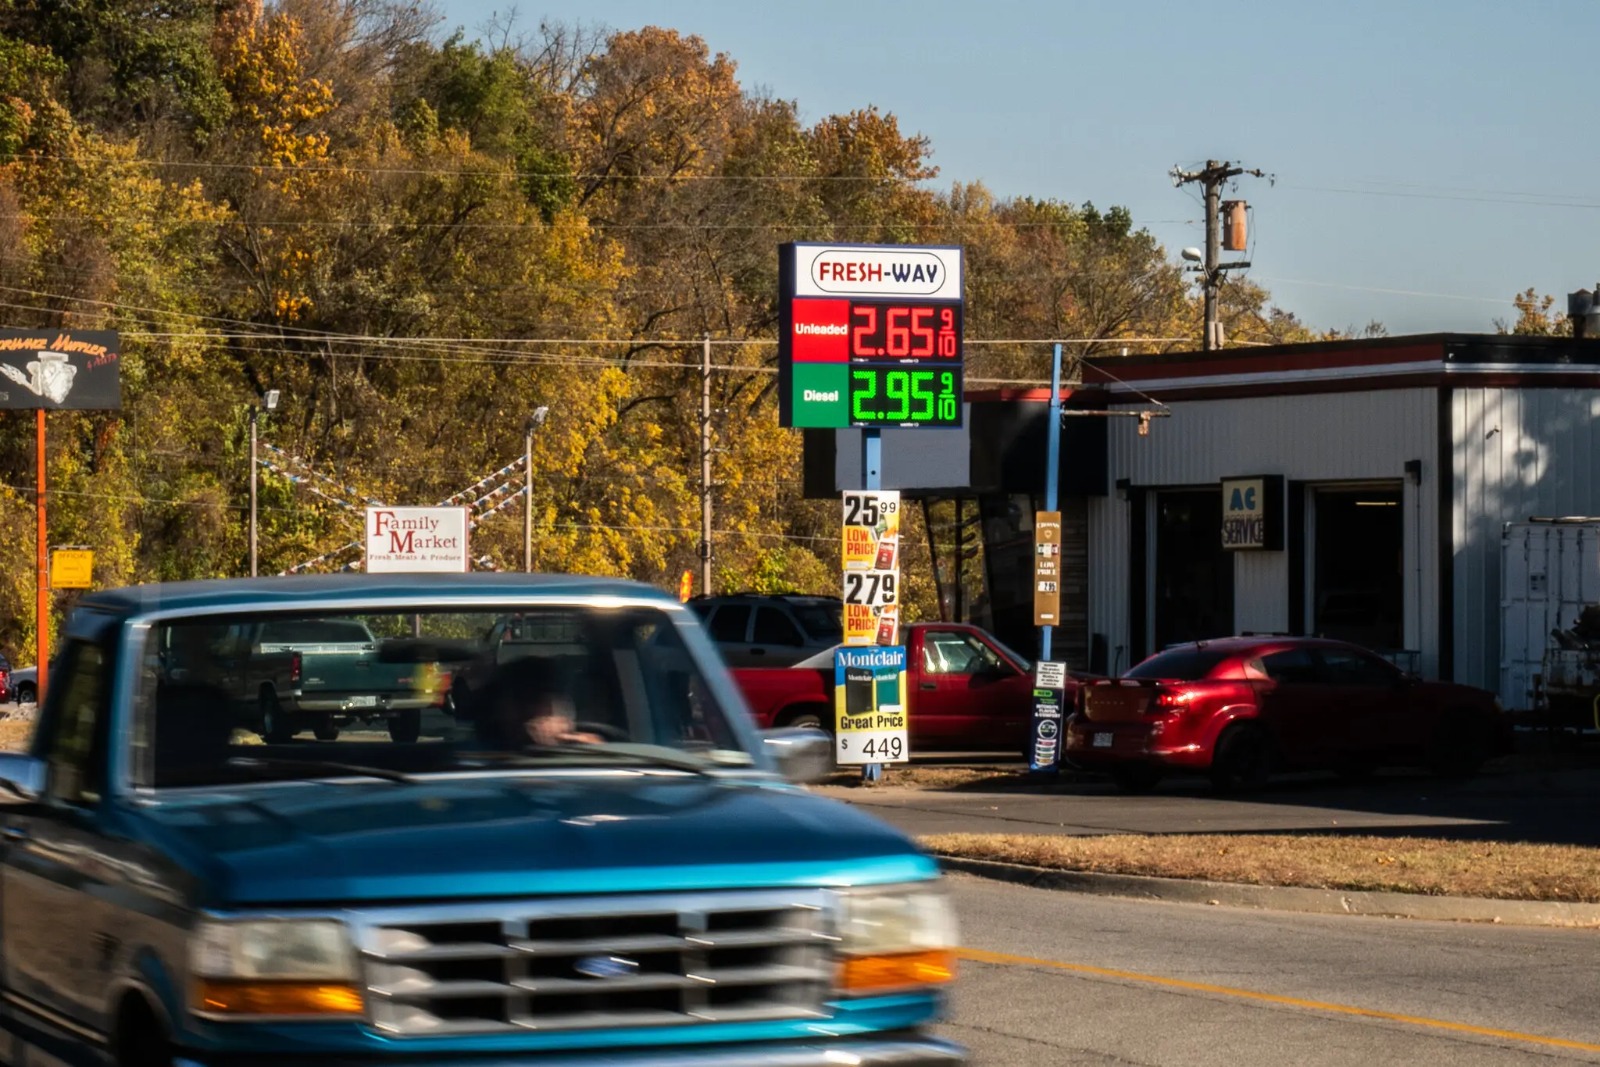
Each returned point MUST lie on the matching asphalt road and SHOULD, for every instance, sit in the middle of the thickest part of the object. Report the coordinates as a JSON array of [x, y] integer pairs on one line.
[[1057, 978]]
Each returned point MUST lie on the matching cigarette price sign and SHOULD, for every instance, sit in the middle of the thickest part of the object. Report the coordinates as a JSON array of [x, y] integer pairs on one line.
[[869, 336], [871, 566]]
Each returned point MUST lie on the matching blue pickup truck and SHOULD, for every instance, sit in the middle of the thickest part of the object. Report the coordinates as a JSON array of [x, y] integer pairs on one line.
[[597, 860]]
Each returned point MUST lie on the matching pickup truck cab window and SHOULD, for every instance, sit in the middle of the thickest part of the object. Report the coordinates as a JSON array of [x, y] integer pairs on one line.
[[957, 652], [419, 692], [73, 740]]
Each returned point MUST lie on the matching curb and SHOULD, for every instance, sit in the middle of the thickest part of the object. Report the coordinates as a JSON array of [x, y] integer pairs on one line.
[[1286, 898]]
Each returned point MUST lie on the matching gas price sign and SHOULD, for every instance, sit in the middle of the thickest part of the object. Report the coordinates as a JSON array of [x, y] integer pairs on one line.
[[870, 336]]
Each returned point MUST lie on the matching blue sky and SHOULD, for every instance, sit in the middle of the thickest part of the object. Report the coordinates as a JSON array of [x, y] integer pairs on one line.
[[1432, 158]]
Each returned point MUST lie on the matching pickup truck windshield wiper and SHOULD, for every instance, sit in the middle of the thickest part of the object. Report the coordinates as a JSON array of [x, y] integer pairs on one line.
[[640, 756], [268, 764]]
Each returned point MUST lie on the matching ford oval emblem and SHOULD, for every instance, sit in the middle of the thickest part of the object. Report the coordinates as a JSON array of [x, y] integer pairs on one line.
[[606, 967]]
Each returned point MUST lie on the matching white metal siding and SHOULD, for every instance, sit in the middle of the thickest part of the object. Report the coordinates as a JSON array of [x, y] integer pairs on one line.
[[1518, 453], [1261, 592], [1329, 437]]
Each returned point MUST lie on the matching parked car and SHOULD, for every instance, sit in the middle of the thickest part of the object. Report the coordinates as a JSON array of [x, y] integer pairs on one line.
[[22, 684], [770, 630], [644, 885], [1239, 708], [966, 691], [7, 683], [292, 675]]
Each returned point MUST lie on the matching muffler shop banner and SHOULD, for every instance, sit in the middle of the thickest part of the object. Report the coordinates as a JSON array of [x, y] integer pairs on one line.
[[60, 369]]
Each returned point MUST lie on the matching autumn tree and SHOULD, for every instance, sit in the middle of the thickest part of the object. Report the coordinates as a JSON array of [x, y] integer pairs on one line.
[[1536, 316]]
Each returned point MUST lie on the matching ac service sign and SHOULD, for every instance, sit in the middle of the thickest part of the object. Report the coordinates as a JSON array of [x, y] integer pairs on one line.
[[1252, 512], [869, 336]]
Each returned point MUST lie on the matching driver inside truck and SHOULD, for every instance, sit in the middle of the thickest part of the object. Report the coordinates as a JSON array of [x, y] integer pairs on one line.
[[527, 705]]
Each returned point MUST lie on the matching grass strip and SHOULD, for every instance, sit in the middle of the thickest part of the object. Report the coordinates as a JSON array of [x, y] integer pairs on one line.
[[1492, 869]]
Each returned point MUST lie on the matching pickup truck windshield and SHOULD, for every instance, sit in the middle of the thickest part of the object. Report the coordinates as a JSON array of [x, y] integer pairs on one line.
[[232, 700]]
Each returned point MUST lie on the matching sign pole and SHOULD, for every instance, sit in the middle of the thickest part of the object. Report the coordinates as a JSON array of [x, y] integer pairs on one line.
[[1049, 683], [1052, 466], [42, 565], [871, 478]]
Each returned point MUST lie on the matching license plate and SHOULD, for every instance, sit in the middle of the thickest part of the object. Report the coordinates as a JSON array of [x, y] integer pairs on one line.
[[362, 702], [1102, 740]]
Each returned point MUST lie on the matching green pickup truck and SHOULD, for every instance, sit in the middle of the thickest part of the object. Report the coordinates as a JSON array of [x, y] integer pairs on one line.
[[317, 675]]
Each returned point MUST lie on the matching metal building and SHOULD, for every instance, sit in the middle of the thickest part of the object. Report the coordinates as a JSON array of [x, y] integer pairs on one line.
[[1364, 486]]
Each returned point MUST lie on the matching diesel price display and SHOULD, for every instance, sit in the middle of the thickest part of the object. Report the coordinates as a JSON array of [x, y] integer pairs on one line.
[[870, 336], [900, 395]]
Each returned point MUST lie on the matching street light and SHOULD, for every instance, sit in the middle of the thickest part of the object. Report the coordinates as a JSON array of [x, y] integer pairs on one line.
[[269, 400], [535, 421]]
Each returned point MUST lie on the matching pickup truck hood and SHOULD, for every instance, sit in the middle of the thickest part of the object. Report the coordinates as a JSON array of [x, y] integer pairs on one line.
[[375, 842]]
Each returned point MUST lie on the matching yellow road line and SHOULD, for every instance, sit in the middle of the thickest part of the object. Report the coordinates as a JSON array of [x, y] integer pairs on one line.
[[980, 956]]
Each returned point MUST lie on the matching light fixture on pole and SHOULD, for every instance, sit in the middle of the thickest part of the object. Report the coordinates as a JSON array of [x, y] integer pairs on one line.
[[535, 421], [269, 401]]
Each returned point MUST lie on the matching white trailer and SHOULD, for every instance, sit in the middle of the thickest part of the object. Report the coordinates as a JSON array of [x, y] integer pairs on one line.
[[1549, 572]]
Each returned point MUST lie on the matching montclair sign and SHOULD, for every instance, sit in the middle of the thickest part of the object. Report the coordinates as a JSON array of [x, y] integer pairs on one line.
[[414, 540]]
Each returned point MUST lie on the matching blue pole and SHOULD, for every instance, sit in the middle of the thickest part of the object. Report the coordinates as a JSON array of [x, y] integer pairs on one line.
[[1052, 465], [871, 478]]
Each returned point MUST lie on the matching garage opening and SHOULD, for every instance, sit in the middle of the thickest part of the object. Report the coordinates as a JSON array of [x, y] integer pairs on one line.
[[1193, 594], [1358, 574]]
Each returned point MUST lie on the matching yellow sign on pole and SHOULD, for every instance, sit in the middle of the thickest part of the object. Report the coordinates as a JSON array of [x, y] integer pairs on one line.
[[72, 568]]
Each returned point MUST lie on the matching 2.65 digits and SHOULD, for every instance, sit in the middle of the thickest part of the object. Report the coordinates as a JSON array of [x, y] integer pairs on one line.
[[904, 331]]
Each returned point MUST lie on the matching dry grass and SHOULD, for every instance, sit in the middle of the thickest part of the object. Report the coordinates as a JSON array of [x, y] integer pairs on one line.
[[1397, 864], [911, 776], [14, 735]]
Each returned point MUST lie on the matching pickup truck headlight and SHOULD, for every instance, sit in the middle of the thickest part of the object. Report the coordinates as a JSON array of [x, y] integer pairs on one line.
[[895, 938], [274, 968]]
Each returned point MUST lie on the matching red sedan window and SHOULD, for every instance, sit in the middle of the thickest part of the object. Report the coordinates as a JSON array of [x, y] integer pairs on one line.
[[1293, 666], [1186, 664], [1349, 667]]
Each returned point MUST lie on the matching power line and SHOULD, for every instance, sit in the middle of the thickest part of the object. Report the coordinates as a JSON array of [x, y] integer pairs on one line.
[[1514, 199], [489, 172], [1379, 289], [603, 227]]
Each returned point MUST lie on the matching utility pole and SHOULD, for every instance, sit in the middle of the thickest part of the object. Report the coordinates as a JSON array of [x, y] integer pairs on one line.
[[268, 401], [705, 466], [1213, 176], [535, 421], [254, 414]]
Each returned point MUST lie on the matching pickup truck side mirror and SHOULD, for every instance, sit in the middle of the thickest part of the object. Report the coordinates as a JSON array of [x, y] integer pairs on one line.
[[20, 775], [803, 755]]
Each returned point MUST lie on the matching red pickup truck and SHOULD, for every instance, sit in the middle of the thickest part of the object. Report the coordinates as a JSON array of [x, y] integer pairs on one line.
[[967, 691]]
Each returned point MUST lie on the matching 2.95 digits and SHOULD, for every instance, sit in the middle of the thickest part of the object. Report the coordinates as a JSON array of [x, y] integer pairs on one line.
[[894, 396]]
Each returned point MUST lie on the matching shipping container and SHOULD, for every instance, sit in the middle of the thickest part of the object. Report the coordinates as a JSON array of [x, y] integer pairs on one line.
[[1549, 571]]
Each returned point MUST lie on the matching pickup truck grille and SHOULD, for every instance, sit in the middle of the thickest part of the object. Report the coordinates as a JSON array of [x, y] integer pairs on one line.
[[598, 963]]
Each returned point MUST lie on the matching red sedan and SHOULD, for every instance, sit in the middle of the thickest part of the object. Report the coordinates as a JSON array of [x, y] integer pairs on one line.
[[1241, 707]]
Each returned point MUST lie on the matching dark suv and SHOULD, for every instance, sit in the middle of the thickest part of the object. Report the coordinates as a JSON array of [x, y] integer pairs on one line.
[[770, 630]]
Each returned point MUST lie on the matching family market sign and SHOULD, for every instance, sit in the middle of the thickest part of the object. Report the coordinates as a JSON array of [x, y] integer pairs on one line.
[[418, 540]]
